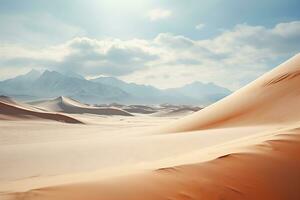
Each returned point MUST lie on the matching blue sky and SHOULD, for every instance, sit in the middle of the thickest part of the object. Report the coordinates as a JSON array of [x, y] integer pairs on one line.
[[162, 43]]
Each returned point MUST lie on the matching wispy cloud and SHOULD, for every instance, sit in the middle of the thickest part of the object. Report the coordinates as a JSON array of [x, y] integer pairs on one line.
[[199, 26], [36, 28], [159, 13]]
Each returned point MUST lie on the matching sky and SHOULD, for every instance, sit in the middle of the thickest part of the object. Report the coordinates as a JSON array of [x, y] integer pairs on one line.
[[161, 43]]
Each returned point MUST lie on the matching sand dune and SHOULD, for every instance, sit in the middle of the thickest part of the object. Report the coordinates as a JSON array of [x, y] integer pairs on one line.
[[68, 105], [245, 146], [267, 171], [7, 99], [271, 99], [11, 110], [140, 109], [177, 111]]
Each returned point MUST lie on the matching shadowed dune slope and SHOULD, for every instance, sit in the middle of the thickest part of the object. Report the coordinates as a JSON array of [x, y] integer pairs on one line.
[[68, 105], [11, 110], [271, 99], [267, 171], [7, 99]]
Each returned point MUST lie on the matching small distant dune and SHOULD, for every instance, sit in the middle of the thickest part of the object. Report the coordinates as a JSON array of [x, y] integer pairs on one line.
[[183, 111], [140, 109], [6, 99], [177, 111], [12, 110], [71, 106]]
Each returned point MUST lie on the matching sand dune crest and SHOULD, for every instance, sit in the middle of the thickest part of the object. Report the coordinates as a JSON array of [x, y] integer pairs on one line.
[[11, 110], [68, 105]]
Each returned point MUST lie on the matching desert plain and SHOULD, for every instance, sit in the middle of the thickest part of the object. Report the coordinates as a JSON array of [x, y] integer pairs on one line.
[[245, 146]]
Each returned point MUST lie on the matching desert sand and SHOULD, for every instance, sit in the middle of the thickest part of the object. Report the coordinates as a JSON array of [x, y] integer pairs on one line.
[[245, 146], [176, 111]]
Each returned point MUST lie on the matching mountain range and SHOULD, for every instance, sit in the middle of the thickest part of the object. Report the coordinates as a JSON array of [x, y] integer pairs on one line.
[[49, 84]]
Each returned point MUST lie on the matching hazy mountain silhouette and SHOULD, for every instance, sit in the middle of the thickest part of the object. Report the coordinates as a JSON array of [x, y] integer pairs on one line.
[[49, 84]]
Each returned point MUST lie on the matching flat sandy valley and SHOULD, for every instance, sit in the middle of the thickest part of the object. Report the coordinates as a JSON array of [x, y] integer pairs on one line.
[[246, 146]]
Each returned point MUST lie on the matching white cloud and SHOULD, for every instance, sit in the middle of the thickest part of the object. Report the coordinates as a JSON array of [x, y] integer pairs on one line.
[[231, 59], [159, 13], [199, 26], [291, 29]]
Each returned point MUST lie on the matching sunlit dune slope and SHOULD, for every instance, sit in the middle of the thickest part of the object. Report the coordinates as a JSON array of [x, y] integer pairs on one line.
[[271, 99], [267, 171]]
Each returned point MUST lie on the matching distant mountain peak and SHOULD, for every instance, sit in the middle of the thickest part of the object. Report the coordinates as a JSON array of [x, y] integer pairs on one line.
[[51, 74], [31, 75], [105, 78], [33, 71], [46, 72], [73, 74], [208, 85]]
